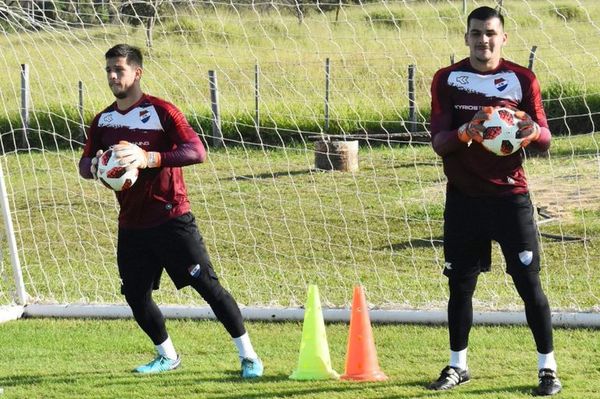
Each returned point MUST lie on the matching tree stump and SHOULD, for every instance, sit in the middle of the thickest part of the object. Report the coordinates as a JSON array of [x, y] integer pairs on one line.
[[336, 155]]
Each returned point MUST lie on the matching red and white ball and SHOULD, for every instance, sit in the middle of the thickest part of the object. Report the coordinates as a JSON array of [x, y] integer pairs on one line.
[[501, 132], [113, 175]]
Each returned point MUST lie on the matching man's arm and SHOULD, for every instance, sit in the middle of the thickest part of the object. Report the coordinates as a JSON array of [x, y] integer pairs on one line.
[[90, 151], [532, 104], [444, 139], [189, 149]]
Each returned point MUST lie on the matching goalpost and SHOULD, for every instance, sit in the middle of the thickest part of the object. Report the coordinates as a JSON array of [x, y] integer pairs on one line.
[[261, 82]]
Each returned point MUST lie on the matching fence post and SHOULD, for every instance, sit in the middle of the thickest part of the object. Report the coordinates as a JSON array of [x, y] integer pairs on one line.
[[532, 57], [412, 117], [327, 66], [82, 135], [214, 102], [25, 100], [257, 98]]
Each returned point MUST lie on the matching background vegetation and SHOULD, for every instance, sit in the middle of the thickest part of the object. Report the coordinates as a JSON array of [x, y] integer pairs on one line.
[[370, 46]]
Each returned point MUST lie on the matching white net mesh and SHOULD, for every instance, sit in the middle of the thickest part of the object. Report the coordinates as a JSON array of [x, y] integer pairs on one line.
[[272, 223]]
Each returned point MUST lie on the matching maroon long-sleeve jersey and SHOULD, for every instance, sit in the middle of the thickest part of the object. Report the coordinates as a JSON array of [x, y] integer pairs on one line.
[[159, 194], [457, 93]]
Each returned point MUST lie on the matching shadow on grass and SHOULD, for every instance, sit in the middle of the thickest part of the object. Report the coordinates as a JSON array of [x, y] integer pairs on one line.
[[229, 385], [415, 243], [271, 175]]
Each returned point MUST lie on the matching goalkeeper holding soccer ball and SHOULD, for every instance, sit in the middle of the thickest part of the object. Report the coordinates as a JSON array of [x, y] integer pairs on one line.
[[487, 195], [156, 228]]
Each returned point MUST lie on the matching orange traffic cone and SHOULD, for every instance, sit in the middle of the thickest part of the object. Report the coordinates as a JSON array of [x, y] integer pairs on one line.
[[361, 358]]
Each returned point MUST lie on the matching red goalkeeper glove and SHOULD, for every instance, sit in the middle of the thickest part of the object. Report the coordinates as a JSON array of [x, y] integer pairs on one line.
[[133, 156], [94, 164], [473, 130], [529, 130]]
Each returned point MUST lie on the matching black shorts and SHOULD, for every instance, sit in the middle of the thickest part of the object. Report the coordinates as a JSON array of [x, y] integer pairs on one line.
[[470, 225], [175, 246]]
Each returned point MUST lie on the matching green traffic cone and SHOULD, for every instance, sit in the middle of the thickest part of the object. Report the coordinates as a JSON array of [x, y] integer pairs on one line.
[[314, 362]]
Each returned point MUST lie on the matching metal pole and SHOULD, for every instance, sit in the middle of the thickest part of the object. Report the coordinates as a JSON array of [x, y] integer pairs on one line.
[[82, 135], [464, 10], [214, 102], [25, 100], [532, 57], [257, 97], [327, 94], [12, 242], [411, 98]]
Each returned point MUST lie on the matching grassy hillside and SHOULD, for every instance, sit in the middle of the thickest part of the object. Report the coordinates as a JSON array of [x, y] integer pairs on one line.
[[370, 47]]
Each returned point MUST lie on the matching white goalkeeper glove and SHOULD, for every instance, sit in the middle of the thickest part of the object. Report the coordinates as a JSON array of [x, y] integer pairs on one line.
[[94, 165], [133, 156]]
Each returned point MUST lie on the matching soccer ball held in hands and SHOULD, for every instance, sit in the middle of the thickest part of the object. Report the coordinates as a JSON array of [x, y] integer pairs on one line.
[[501, 133], [114, 175]]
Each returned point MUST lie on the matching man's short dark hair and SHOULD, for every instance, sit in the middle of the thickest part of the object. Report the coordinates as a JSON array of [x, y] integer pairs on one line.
[[133, 55], [483, 14]]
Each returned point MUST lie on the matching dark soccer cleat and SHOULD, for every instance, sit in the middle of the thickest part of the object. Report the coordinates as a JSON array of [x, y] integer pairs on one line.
[[449, 378], [549, 383]]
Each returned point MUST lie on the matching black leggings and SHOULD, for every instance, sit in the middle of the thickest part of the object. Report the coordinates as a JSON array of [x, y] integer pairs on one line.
[[152, 322], [537, 310]]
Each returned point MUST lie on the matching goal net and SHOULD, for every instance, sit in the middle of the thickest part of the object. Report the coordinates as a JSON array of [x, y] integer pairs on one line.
[[287, 73]]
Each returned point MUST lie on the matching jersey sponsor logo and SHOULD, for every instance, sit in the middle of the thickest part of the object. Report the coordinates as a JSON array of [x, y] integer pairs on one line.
[[501, 84], [144, 115], [467, 107]]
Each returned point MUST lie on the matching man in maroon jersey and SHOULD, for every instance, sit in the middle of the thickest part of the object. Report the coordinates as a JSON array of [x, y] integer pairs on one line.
[[487, 195], [156, 228]]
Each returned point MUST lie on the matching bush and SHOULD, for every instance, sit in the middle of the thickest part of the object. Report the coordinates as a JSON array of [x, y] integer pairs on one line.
[[568, 13], [570, 109]]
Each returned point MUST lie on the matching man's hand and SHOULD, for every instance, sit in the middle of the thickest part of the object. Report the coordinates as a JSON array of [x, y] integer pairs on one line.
[[473, 130], [132, 156], [529, 130], [94, 165]]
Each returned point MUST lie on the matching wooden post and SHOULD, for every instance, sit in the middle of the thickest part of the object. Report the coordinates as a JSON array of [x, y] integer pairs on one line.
[[327, 94], [532, 57], [214, 102], [257, 98], [82, 135], [412, 117], [25, 101]]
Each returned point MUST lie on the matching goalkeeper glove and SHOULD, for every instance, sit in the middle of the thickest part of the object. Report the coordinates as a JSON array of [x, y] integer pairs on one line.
[[94, 165], [473, 130], [134, 157], [529, 130]]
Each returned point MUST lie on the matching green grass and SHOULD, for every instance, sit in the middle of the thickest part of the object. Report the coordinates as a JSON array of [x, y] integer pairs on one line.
[[370, 48], [92, 359], [273, 225]]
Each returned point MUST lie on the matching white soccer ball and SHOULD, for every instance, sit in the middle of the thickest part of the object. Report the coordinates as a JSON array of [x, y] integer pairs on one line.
[[113, 175], [501, 132]]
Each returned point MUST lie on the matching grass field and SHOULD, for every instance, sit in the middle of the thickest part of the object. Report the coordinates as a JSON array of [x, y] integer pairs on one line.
[[92, 359], [271, 222], [273, 225], [370, 47]]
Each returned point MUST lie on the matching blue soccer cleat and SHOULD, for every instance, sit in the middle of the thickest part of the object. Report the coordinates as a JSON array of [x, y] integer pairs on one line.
[[252, 368], [158, 365]]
